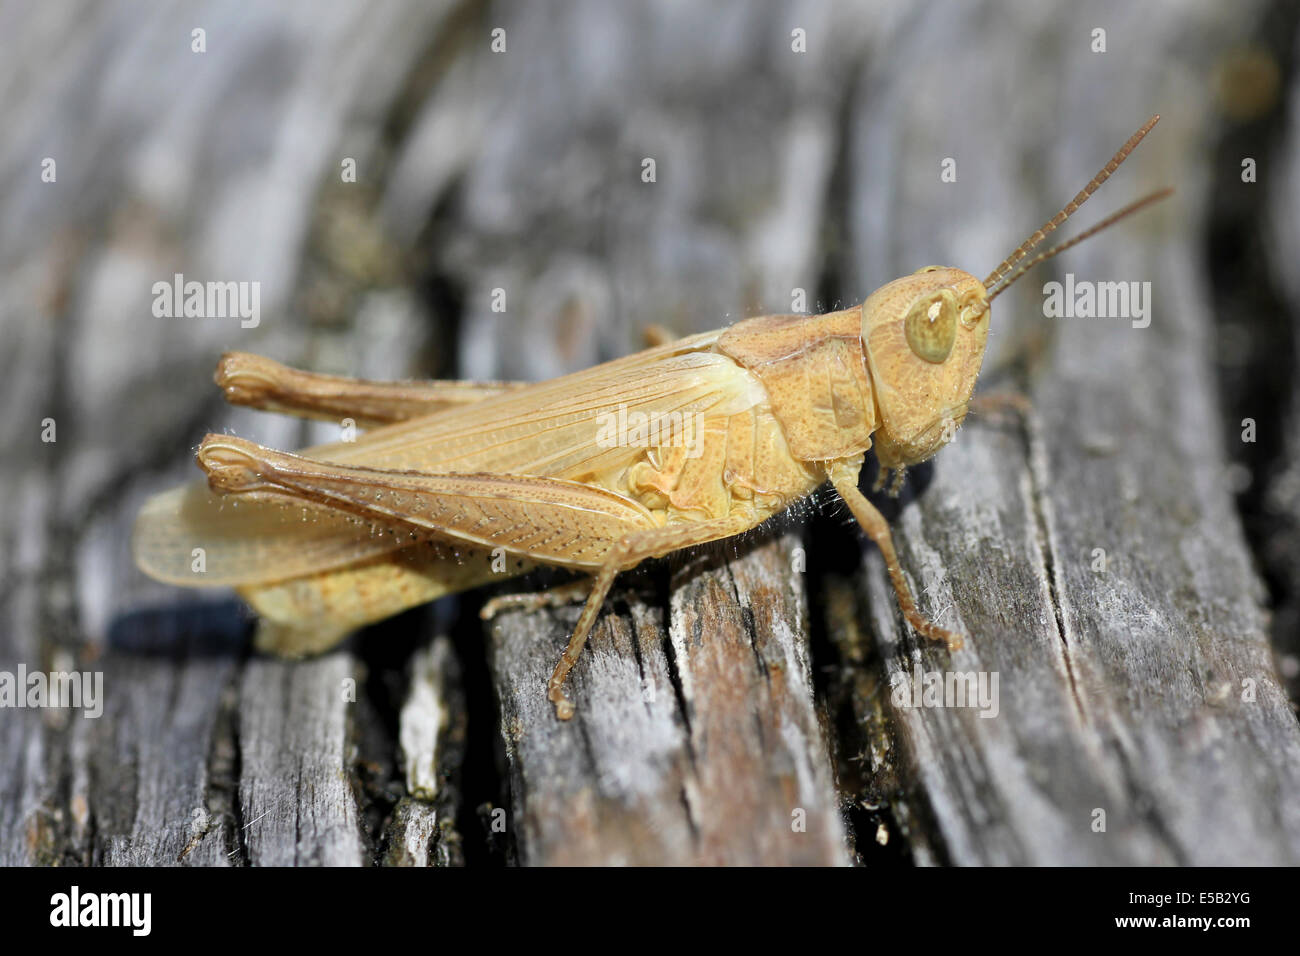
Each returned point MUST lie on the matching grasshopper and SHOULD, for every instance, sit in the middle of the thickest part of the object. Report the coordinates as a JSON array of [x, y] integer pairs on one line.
[[450, 476]]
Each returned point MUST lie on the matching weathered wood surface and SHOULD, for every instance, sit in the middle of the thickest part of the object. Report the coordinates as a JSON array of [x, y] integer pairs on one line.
[[735, 703], [209, 165]]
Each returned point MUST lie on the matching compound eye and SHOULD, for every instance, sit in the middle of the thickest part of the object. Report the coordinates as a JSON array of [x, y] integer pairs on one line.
[[931, 327]]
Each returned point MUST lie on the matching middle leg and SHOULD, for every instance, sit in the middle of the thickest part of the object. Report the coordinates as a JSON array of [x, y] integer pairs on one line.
[[625, 555]]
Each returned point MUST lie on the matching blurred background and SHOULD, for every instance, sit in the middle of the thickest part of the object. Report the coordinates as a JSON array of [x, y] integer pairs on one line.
[[797, 153]]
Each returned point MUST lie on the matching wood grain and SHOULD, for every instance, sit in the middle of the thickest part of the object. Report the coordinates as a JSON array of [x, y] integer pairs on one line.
[[736, 704]]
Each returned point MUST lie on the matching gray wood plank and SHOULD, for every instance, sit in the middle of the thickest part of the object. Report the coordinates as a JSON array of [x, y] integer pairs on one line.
[[1146, 691], [588, 254], [723, 691], [207, 164], [698, 746]]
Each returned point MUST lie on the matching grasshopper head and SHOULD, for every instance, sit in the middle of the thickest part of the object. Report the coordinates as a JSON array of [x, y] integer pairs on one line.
[[924, 337], [924, 334]]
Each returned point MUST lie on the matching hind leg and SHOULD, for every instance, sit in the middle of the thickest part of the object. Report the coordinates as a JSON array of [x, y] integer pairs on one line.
[[259, 382]]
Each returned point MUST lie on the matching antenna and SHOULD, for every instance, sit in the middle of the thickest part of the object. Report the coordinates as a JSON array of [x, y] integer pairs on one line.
[[1104, 224], [1072, 206]]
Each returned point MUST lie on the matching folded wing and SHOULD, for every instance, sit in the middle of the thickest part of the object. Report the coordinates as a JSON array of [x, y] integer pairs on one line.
[[549, 429]]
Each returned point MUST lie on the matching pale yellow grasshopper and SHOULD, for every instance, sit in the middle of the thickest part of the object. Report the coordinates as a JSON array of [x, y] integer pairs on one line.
[[455, 475]]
